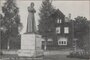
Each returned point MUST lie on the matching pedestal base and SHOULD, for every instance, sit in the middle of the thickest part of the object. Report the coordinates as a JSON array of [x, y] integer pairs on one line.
[[30, 53], [30, 46]]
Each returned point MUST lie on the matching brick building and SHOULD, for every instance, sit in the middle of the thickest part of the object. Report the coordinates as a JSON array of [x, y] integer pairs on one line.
[[62, 31]]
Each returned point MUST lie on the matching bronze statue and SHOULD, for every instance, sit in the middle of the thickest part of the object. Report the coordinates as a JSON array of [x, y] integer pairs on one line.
[[31, 19]]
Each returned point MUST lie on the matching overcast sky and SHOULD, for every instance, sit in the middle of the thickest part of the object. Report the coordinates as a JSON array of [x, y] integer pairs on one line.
[[76, 8]]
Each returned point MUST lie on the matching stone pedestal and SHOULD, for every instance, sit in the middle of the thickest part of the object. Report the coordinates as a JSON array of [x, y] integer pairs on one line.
[[30, 45]]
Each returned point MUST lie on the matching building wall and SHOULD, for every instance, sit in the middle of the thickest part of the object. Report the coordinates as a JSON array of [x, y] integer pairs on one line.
[[64, 28], [62, 33]]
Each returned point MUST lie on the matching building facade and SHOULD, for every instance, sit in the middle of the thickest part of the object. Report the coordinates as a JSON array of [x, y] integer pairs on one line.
[[62, 30]]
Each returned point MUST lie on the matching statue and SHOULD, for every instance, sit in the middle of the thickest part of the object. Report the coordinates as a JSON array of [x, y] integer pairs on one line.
[[30, 41], [31, 19]]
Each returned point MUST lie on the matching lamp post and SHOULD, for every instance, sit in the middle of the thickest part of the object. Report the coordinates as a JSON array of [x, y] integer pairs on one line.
[[73, 38], [75, 45]]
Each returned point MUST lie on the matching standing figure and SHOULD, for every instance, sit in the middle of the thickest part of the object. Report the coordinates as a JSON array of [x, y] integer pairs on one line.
[[31, 19]]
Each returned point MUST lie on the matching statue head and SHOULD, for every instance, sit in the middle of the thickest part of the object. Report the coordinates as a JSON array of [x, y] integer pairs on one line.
[[32, 4]]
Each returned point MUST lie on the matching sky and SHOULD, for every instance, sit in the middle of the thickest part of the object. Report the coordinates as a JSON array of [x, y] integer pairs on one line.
[[76, 8]]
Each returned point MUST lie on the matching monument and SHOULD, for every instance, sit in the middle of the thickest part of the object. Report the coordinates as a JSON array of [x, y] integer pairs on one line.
[[31, 19], [30, 41]]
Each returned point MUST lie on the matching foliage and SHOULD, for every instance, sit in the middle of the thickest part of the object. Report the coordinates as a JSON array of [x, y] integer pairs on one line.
[[46, 23], [81, 26], [81, 29], [11, 20], [79, 54]]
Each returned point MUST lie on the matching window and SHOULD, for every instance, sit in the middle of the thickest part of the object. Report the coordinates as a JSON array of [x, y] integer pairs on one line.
[[65, 42], [62, 41], [58, 30], [66, 30], [59, 21]]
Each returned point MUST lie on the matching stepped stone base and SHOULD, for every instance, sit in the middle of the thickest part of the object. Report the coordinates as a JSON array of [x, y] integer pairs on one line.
[[30, 46]]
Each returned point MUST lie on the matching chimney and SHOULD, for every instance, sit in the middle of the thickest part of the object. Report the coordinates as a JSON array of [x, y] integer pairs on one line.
[[69, 16]]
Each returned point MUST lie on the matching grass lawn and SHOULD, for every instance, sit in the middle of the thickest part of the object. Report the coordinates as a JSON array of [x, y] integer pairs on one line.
[[48, 57], [60, 57]]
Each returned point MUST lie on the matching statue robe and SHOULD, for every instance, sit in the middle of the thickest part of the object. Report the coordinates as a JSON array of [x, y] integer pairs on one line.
[[31, 28]]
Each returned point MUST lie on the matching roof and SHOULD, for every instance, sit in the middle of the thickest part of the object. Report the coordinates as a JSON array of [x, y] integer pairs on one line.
[[57, 13]]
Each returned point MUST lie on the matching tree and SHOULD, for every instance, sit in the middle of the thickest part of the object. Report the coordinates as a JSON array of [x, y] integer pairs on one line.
[[11, 21], [81, 30], [1, 17], [46, 23]]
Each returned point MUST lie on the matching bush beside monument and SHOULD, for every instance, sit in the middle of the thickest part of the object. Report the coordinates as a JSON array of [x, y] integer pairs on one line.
[[79, 54]]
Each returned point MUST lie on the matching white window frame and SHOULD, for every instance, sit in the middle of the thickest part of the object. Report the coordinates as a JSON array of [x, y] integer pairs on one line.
[[58, 31], [62, 42], [66, 30], [59, 21]]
